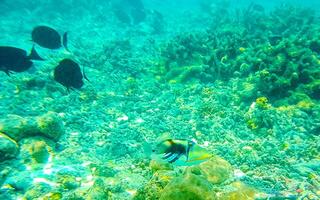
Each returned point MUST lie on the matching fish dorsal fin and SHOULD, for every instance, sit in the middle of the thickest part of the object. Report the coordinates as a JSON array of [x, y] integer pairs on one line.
[[65, 41], [163, 137], [34, 55]]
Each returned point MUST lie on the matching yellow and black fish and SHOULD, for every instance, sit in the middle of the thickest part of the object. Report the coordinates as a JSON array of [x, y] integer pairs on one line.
[[180, 152]]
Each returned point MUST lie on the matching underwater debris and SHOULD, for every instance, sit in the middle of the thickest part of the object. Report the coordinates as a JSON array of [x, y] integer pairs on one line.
[[15, 59], [68, 74], [48, 37]]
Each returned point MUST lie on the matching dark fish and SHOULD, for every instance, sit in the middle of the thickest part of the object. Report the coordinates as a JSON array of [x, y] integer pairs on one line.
[[68, 74], [49, 38], [15, 59]]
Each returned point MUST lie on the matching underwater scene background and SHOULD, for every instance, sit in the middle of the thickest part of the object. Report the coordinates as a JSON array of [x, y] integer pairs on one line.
[[238, 78]]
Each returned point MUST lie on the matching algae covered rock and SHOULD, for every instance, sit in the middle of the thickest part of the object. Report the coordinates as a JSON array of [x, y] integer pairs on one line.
[[17, 127], [188, 187], [50, 125], [216, 170], [153, 189], [157, 165], [238, 191], [98, 191], [8, 147], [39, 151], [36, 150]]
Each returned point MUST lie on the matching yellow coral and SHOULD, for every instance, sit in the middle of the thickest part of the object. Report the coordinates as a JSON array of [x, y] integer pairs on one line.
[[157, 165], [53, 196], [242, 49], [252, 124], [207, 92], [305, 104], [40, 152], [240, 191], [262, 102]]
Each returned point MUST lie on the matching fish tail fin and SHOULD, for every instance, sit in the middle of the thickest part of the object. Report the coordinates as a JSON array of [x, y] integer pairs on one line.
[[65, 41], [34, 55], [84, 74]]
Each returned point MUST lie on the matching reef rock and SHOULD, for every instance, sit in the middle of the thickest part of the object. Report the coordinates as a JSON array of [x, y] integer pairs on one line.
[[239, 191], [17, 127], [8, 147], [188, 187], [216, 170], [36, 150], [48, 125]]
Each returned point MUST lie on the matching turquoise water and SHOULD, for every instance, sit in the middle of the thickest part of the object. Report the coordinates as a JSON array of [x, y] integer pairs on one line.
[[240, 79]]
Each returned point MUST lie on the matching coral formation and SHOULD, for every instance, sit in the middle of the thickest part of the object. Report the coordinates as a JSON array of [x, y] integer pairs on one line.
[[8, 147], [189, 187], [39, 151], [216, 170], [243, 81], [48, 125], [207, 180]]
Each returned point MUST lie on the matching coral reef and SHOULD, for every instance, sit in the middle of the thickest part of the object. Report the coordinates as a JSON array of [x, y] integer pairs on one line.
[[48, 125], [216, 170], [243, 82], [209, 180], [8, 147], [188, 187]]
